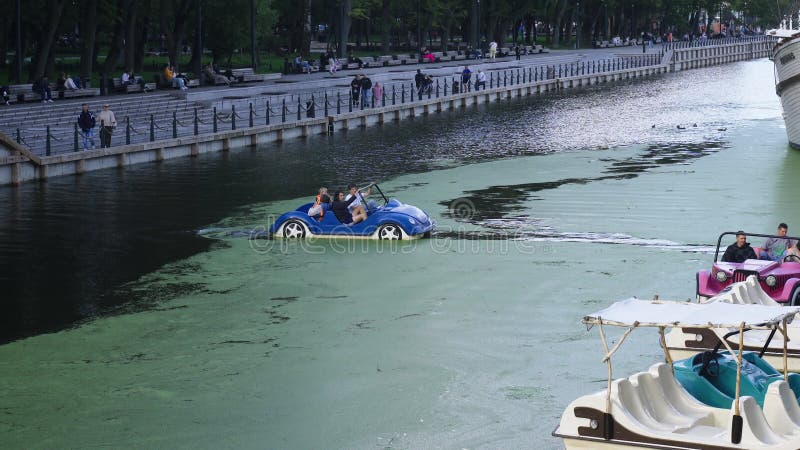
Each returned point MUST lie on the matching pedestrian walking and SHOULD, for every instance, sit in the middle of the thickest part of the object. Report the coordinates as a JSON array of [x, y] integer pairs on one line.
[[466, 75], [517, 51], [355, 89], [492, 49], [366, 91], [86, 123], [107, 124], [377, 94]]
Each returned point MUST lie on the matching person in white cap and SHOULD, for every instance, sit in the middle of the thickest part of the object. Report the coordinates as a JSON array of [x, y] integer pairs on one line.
[[107, 124]]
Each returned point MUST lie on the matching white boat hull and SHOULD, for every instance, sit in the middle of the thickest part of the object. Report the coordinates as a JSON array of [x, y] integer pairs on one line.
[[651, 410], [786, 57]]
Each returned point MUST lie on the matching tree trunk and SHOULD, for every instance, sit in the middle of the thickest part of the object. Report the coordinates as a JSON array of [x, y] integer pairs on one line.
[[88, 32], [8, 22], [305, 43], [130, 35], [344, 30], [473, 24], [45, 44], [174, 33], [448, 23], [116, 41], [386, 25], [138, 63], [562, 8]]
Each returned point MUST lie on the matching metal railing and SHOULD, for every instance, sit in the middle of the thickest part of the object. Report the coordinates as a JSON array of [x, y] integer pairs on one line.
[[140, 123]]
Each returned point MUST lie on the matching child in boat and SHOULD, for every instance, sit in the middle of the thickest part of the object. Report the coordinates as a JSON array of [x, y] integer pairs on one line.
[[317, 210]]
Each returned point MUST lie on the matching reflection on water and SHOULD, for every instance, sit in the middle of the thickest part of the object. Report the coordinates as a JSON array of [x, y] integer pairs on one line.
[[495, 202]]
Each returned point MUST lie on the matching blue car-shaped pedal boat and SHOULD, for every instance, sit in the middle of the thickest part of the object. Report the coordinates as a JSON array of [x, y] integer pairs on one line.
[[391, 221]]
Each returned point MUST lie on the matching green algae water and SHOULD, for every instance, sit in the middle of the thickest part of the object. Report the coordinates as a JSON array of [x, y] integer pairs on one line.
[[547, 209]]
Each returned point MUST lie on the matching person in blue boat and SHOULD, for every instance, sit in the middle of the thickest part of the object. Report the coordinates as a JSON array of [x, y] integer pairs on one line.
[[356, 208], [317, 210], [340, 207], [740, 251]]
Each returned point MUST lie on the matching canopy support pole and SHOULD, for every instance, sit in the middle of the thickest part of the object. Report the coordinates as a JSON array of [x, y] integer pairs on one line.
[[664, 346]]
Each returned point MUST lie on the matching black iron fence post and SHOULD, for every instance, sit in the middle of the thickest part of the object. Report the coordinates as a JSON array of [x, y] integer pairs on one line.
[[47, 142], [251, 115], [153, 128], [174, 124], [299, 107], [283, 110], [196, 123], [127, 132], [326, 104], [267, 113], [215, 119], [75, 143], [233, 117]]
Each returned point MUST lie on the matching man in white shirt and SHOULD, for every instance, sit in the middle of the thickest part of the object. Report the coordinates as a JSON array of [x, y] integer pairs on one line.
[[492, 49], [356, 208], [480, 80], [107, 123]]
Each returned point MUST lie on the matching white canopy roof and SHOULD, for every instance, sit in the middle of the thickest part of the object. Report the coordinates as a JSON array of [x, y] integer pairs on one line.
[[782, 33], [656, 313]]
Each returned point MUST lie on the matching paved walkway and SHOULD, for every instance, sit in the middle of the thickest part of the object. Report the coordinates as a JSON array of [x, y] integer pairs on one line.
[[163, 106]]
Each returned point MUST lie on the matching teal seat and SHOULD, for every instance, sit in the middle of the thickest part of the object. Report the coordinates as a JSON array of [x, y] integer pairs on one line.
[[716, 386]]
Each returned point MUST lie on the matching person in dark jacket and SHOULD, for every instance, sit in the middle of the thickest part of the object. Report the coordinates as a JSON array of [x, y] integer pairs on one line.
[[366, 91], [42, 87], [355, 89], [339, 207], [86, 122], [740, 251], [419, 81]]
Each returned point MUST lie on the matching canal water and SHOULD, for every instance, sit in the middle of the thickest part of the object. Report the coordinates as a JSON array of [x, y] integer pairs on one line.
[[136, 313]]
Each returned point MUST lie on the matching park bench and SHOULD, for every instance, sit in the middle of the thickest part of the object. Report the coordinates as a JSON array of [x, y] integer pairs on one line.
[[383, 60], [248, 75], [459, 56], [503, 51], [162, 83], [440, 56], [134, 87], [20, 93]]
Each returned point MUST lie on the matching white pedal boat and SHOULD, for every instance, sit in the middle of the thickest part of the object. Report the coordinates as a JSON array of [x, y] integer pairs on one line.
[[651, 410]]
